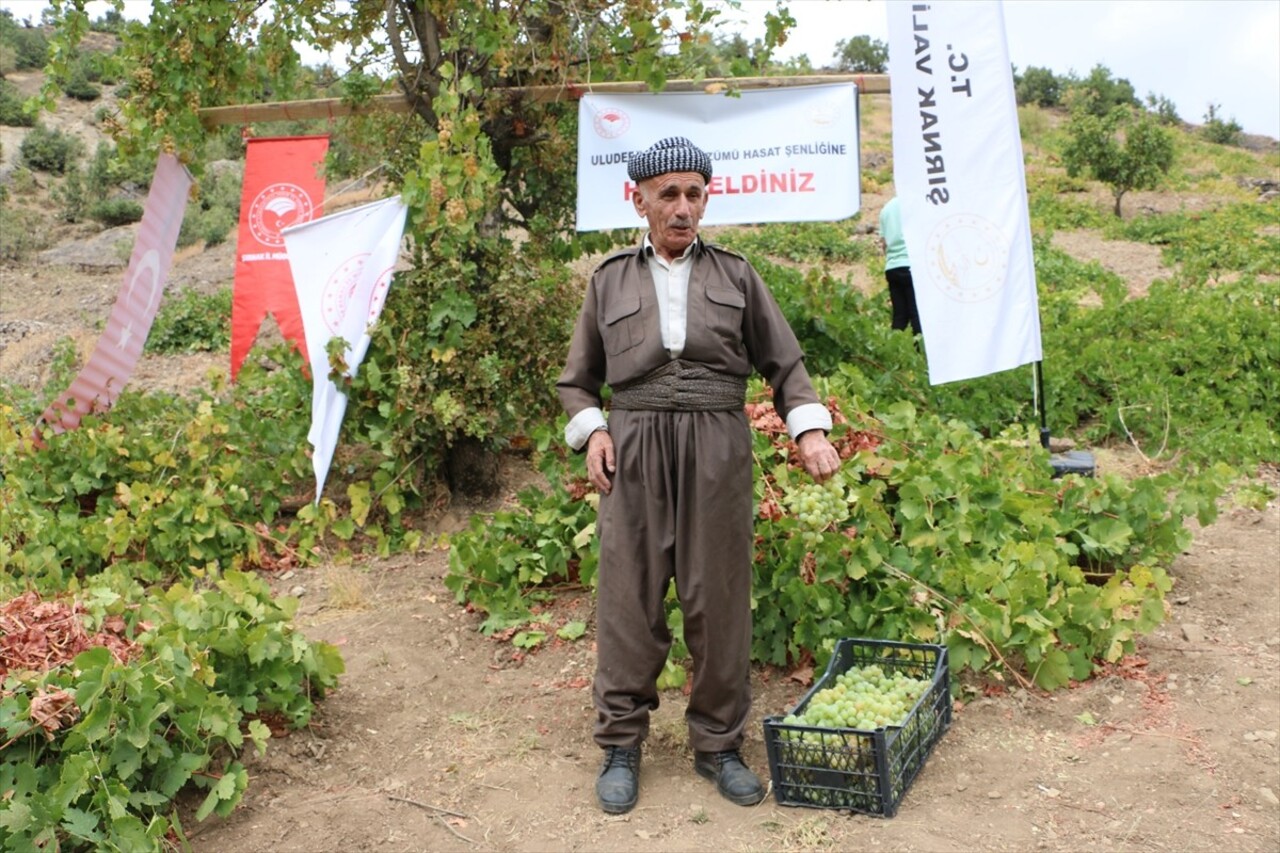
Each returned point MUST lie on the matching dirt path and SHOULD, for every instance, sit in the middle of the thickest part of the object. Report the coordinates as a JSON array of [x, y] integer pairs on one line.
[[442, 740]]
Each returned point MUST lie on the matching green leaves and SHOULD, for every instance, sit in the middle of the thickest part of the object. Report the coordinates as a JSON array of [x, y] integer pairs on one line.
[[572, 631], [1126, 149], [225, 793], [169, 485], [148, 726], [940, 535], [1185, 370], [504, 563]]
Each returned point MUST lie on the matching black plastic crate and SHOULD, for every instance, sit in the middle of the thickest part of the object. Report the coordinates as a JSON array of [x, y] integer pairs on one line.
[[853, 769]]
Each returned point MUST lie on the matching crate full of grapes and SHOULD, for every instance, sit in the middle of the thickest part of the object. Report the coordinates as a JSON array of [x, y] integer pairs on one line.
[[860, 736]]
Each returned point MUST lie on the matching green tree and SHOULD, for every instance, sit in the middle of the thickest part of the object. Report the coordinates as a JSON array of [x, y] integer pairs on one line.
[[734, 56], [862, 55], [472, 336], [1038, 86], [1126, 149], [1100, 93]]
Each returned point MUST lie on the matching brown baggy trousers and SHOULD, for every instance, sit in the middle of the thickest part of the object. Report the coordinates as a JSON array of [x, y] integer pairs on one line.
[[680, 508]]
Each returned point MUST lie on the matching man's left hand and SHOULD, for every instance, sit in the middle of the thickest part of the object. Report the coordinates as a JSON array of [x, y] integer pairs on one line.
[[817, 455]]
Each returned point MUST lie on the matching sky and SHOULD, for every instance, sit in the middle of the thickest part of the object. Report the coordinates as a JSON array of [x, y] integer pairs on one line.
[[1193, 52]]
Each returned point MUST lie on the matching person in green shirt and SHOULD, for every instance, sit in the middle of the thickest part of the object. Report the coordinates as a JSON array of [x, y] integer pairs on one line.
[[897, 268]]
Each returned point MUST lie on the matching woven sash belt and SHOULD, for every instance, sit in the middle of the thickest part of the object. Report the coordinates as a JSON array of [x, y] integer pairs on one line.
[[682, 386]]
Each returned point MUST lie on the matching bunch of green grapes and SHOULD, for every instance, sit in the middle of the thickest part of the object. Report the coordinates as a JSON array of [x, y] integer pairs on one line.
[[865, 698], [818, 507]]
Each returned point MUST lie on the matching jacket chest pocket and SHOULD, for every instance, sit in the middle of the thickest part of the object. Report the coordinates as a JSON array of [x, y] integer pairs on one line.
[[623, 327], [725, 306]]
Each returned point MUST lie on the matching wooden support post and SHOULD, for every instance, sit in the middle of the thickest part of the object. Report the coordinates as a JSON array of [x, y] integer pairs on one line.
[[210, 117]]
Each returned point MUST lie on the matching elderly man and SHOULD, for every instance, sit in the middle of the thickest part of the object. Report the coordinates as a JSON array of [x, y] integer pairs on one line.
[[674, 327]]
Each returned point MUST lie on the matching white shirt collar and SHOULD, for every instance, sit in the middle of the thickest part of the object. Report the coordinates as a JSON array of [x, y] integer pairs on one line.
[[652, 252]]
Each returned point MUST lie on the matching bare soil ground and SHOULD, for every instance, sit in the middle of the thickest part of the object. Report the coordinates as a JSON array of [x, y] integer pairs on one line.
[[440, 739]]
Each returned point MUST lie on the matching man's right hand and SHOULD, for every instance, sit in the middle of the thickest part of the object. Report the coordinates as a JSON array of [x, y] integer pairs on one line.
[[600, 464]]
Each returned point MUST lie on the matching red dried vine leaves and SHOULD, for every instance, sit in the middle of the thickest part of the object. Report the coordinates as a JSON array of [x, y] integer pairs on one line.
[[38, 635]]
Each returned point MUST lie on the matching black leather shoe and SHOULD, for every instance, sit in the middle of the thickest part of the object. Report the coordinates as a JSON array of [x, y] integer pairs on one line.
[[619, 784], [734, 780]]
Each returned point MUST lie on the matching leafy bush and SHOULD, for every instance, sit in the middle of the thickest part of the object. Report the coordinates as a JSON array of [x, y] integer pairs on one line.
[[1186, 370], [215, 225], [171, 485], [80, 87], [492, 360], [1216, 130], [116, 211], [214, 212], [1130, 370], [11, 112], [1051, 210], [70, 195], [800, 241], [22, 232], [110, 169], [1237, 238], [1032, 123], [24, 46], [128, 732], [138, 522], [104, 174], [942, 536], [534, 548], [1163, 109], [53, 151], [190, 321]]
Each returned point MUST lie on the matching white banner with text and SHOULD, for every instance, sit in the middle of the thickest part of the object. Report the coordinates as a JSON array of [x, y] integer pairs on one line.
[[777, 155], [957, 167]]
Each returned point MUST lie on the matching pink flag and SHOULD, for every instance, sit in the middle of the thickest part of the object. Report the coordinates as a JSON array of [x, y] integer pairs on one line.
[[118, 350]]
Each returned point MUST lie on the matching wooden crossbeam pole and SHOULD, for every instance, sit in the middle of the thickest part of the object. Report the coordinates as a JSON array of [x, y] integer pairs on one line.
[[210, 117]]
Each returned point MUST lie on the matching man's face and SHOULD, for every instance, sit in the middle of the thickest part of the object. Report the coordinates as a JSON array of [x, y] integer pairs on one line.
[[673, 203]]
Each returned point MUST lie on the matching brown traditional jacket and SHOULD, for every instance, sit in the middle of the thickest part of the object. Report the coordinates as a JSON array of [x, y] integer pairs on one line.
[[734, 325]]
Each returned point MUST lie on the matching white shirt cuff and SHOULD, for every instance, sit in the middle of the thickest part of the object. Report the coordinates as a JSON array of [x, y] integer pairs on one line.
[[801, 419], [578, 430]]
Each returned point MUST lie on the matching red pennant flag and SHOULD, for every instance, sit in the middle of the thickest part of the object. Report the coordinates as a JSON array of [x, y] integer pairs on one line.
[[120, 346], [283, 186]]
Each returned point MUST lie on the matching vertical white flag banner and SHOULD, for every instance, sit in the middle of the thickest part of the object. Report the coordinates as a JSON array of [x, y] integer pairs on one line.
[[958, 170], [777, 155], [342, 266]]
